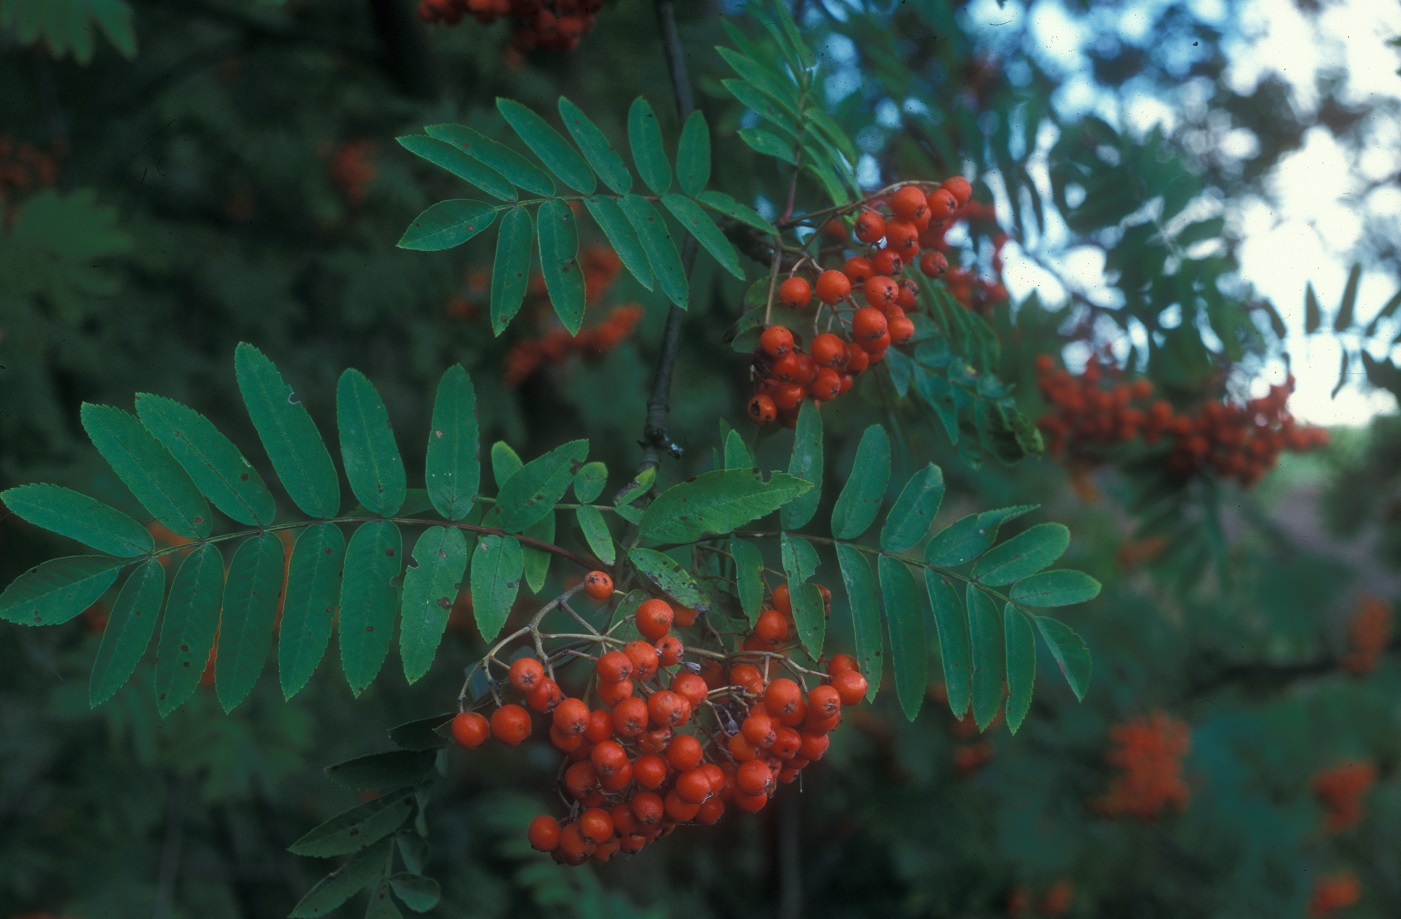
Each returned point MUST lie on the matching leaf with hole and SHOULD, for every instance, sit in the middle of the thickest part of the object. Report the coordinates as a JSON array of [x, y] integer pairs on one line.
[[497, 569], [447, 224], [431, 586], [290, 437], [309, 604], [369, 597], [187, 632], [372, 461], [510, 268], [670, 578], [57, 590], [128, 632], [716, 502], [909, 649], [861, 497], [216, 466], [559, 262], [251, 595], [605, 160], [648, 153], [549, 145], [76, 516], [148, 470]]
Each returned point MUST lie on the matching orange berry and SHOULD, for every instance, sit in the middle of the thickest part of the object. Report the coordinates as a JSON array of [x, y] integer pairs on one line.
[[678, 809], [887, 262], [670, 650], [776, 341], [761, 409], [868, 325], [754, 777], [782, 697], [596, 825], [598, 585], [543, 833], [613, 667], [571, 716], [960, 188], [909, 203], [691, 687], [470, 729], [833, 286], [840, 662], [510, 724], [759, 728], [630, 717], [644, 658], [772, 626], [850, 686], [650, 770], [693, 786], [870, 227], [933, 263], [684, 752], [795, 293], [615, 693], [942, 204], [858, 269], [546, 696], [880, 292], [648, 808], [526, 673], [667, 709], [608, 758], [828, 350]]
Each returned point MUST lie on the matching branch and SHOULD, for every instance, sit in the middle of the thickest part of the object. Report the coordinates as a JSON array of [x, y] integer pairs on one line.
[[655, 438], [1264, 676]]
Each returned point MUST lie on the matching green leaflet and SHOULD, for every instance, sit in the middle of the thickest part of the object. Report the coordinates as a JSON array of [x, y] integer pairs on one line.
[[187, 633], [809, 611], [719, 201], [447, 224], [989, 667], [59, 589], [431, 586], [1021, 665], [148, 470], [422, 733], [955, 646], [864, 601], [76, 516], [589, 482], [372, 462], [381, 903], [455, 160], [497, 568], [692, 155], [537, 561], [1070, 652], [366, 867], [309, 604], [648, 154], [251, 593], [549, 145], [505, 463], [369, 597], [967, 538], [806, 464], [622, 237], [596, 534], [289, 436], [698, 223], [749, 577], [736, 453], [511, 267], [1062, 587], [601, 154], [909, 650], [216, 466], [419, 893], [354, 829], [533, 492], [914, 511], [670, 578], [71, 26], [383, 771], [861, 497], [1026, 553], [559, 262], [656, 241], [128, 633], [716, 502], [453, 470], [515, 167], [761, 141]]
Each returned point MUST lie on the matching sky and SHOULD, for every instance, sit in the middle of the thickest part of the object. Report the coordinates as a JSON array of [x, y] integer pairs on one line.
[[1319, 193]]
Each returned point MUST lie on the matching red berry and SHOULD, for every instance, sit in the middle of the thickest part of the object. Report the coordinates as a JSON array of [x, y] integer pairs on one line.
[[544, 833], [933, 263], [858, 269], [870, 226], [828, 350], [510, 724], [795, 293], [526, 673], [654, 618], [776, 341], [598, 585], [869, 324], [833, 287], [470, 729], [887, 262], [960, 188], [613, 667], [908, 203]]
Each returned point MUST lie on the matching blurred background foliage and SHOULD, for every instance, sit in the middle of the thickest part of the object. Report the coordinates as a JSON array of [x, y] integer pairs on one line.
[[176, 177]]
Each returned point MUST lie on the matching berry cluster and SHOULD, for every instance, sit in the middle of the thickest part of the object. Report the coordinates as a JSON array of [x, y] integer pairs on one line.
[[857, 336], [1056, 900], [525, 358], [665, 742], [1368, 634], [23, 168], [1332, 893], [352, 169], [1089, 412], [548, 25], [1149, 752], [1340, 790]]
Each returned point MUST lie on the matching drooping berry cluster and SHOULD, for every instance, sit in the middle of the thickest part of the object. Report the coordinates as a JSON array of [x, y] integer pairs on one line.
[[1332, 893], [1368, 635], [23, 168], [526, 357], [865, 303], [548, 25], [1148, 752], [1340, 789], [352, 168], [1056, 900], [1091, 412], [655, 742]]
